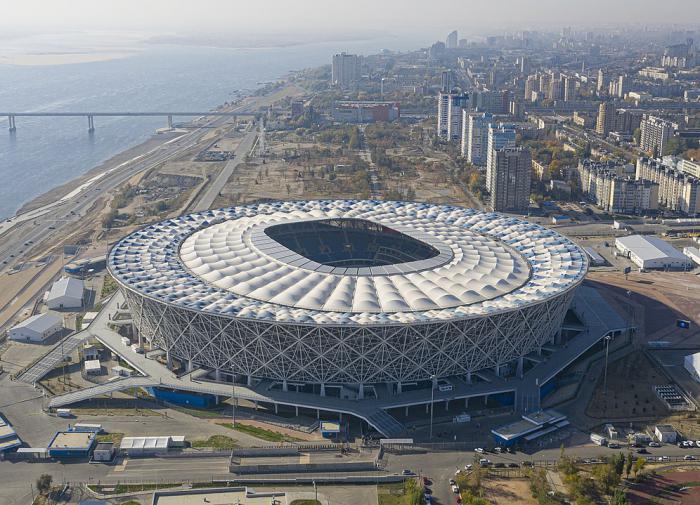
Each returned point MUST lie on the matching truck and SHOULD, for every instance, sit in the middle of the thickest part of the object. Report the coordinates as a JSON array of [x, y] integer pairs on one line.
[[598, 439]]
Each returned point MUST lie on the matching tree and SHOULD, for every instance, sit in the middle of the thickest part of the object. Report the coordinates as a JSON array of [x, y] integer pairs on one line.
[[619, 462], [619, 498], [637, 135], [606, 476], [639, 466], [628, 465], [43, 483]]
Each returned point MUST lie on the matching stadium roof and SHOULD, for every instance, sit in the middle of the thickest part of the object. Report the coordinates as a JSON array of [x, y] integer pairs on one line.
[[225, 262]]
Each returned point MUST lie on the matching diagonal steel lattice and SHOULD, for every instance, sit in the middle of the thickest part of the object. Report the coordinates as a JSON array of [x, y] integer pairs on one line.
[[347, 354]]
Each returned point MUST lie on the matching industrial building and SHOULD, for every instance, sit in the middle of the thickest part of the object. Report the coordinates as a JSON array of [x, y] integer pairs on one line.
[[693, 253], [366, 111], [150, 445], [66, 293], [531, 427], [8, 437], [36, 328], [665, 433], [72, 444], [651, 252], [692, 364]]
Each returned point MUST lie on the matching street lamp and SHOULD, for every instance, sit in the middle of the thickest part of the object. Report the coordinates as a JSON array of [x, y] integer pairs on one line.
[[233, 399], [605, 376], [432, 397]]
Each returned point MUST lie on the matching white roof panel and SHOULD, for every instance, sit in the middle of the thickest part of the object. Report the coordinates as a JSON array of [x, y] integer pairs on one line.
[[224, 262], [40, 322]]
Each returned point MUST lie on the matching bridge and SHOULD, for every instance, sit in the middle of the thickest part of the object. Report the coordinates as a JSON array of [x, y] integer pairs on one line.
[[11, 116]]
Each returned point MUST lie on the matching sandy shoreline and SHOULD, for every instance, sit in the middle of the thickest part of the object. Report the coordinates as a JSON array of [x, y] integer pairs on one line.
[[60, 191]]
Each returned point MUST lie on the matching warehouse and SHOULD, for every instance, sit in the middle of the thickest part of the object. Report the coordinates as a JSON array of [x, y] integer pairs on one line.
[[651, 252], [36, 328], [692, 363], [66, 293], [72, 444], [693, 253]]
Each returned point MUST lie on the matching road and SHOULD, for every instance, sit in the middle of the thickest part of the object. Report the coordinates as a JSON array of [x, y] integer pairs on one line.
[[215, 187]]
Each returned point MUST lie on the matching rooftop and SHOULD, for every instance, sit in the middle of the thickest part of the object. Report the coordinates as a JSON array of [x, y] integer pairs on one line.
[[648, 247], [67, 286], [72, 440], [40, 322], [338, 262]]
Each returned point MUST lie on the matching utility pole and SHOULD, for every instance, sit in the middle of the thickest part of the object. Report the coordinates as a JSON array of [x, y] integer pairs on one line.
[[605, 376], [233, 400], [432, 402]]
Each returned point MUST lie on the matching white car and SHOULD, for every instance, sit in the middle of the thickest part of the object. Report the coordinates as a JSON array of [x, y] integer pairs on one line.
[[654, 444], [484, 462], [455, 488], [479, 450], [688, 457], [468, 467], [696, 443]]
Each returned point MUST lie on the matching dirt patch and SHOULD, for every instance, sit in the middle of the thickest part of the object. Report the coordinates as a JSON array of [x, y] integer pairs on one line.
[[629, 390], [674, 488], [509, 492]]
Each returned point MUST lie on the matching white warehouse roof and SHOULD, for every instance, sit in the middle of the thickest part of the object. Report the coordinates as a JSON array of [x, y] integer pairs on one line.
[[40, 323], [649, 247], [66, 287], [227, 262]]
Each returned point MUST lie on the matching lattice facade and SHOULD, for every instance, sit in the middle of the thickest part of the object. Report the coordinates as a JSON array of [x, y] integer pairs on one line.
[[346, 354]]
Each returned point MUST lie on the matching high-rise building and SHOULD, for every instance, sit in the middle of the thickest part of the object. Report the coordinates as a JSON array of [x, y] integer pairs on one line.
[[509, 180], [606, 118], [450, 108], [656, 133], [555, 90], [446, 84], [569, 89], [475, 136], [602, 82], [345, 70], [677, 191], [452, 41], [524, 65], [456, 108], [531, 86], [495, 102], [499, 137]]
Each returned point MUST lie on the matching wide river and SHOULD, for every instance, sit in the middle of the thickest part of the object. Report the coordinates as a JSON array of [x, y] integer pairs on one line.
[[46, 152]]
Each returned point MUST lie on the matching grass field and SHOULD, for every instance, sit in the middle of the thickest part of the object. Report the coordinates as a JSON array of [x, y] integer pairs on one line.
[[215, 442], [263, 434]]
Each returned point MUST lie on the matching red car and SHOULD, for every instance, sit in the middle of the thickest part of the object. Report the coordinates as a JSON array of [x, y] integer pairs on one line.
[[459, 498]]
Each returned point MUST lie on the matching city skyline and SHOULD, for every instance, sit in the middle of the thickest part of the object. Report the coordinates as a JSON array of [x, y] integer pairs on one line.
[[394, 17]]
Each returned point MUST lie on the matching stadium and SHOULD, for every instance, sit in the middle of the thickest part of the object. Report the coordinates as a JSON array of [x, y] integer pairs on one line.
[[347, 294]]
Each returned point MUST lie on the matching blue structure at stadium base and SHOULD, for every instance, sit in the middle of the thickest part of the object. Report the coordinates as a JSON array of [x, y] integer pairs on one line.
[[202, 401]]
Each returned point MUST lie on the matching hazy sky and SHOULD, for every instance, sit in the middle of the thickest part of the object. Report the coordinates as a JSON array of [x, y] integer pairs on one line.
[[342, 16]]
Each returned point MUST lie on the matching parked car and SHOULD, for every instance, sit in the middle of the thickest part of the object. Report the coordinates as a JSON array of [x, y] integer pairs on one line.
[[455, 488], [479, 450], [642, 451], [513, 465], [468, 467], [406, 472], [688, 457], [654, 444]]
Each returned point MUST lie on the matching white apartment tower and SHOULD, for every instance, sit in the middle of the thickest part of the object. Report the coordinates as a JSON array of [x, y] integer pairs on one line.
[[345, 70]]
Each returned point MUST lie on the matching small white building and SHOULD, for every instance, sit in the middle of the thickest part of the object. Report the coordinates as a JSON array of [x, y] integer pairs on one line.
[[665, 433], [647, 251], [693, 253], [36, 328], [692, 363], [66, 293], [104, 452], [93, 367]]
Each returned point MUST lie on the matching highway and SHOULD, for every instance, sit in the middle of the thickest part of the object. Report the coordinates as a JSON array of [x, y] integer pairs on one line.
[[215, 187]]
